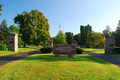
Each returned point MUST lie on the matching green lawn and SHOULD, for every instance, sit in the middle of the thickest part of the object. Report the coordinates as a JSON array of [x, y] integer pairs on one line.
[[20, 49], [48, 67], [99, 51]]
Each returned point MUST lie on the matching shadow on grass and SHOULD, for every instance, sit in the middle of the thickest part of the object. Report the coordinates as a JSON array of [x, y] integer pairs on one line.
[[49, 58]]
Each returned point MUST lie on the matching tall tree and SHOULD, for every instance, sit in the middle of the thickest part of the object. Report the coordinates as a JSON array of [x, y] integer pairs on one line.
[[60, 38], [106, 32], [4, 32], [41, 27], [69, 37], [33, 26], [85, 31]]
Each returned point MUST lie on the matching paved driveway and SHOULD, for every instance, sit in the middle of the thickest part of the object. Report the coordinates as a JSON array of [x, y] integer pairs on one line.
[[13, 57], [113, 59]]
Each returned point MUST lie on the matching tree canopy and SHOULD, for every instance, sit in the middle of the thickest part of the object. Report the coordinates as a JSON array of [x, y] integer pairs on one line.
[[85, 31], [4, 33], [33, 26], [60, 38], [69, 37], [1, 8]]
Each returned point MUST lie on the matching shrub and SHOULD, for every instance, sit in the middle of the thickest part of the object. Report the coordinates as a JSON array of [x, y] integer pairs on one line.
[[79, 50], [47, 49], [117, 50], [3, 46]]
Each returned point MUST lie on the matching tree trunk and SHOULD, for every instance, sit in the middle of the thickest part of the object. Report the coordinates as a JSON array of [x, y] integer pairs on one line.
[[24, 44]]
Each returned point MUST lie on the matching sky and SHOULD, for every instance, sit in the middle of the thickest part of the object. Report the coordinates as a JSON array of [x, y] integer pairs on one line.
[[70, 14]]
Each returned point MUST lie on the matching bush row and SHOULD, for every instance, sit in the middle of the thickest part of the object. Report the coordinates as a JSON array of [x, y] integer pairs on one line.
[[117, 50], [49, 49], [3, 46]]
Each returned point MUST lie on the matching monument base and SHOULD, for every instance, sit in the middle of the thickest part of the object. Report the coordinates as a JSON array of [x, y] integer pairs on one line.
[[57, 55], [70, 55]]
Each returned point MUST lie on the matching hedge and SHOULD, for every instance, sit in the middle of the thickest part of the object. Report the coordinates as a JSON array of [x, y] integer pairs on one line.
[[117, 50], [47, 49], [3, 46], [79, 50]]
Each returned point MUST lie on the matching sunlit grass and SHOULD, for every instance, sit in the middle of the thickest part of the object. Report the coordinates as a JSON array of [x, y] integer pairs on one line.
[[20, 49], [100, 51], [48, 67]]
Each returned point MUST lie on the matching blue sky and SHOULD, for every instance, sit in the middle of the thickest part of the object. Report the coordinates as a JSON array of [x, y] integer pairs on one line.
[[69, 13]]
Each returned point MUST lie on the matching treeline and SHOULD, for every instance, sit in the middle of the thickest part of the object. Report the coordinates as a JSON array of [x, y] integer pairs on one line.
[[86, 37]]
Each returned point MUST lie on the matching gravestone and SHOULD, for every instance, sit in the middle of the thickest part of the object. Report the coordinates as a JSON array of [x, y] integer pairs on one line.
[[110, 45], [50, 42], [75, 42], [13, 42]]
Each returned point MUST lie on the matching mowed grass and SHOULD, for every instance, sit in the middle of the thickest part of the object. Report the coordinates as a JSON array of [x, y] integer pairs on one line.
[[48, 67], [20, 49], [94, 50], [100, 51]]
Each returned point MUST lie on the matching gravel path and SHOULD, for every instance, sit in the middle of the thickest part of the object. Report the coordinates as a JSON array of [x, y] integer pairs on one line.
[[113, 59], [13, 57]]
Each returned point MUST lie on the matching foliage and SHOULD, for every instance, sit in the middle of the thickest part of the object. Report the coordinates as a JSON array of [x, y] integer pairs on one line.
[[3, 46], [96, 39], [69, 37], [85, 31], [47, 49], [77, 37], [79, 50], [1, 8], [117, 50], [4, 33], [117, 35], [16, 29], [33, 26], [60, 38]]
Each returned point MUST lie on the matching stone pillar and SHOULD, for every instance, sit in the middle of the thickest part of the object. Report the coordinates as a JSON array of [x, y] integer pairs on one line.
[[110, 45], [75, 43], [13, 42], [50, 42]]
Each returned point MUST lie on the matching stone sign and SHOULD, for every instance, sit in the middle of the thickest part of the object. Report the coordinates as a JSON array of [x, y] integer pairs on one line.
[[59, 49], [110, 45], [13, 42]]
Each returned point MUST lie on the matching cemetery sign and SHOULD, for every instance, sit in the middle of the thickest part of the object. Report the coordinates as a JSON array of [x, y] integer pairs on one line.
[[59, 49]]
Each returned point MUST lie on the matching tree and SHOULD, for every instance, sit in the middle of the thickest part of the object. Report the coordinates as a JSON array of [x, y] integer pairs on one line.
[[4, 32], [1, 8], [16, 29], [69, 37], [77, 37], [60, 38], [106, 32], [95, 39], [33, 26], [85, 31]]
